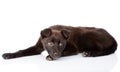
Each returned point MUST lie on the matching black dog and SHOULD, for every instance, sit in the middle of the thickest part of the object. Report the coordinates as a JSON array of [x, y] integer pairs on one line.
[[61, 40]]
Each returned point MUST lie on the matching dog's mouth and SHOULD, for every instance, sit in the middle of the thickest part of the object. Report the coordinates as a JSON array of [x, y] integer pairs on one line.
[[55, 55]]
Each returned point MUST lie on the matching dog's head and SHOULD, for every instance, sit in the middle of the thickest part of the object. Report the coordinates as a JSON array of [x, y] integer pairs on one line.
[[54, 41]]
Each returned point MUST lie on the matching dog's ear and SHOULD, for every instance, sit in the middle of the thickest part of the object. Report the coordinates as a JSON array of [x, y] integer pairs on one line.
[[46, 33], [65, 33]]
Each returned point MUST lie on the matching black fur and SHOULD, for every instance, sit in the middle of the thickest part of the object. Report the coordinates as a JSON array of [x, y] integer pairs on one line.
[[61, 40]]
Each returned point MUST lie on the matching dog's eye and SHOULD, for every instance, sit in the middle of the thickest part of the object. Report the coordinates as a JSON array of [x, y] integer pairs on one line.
[[50, 43], [60, 44]]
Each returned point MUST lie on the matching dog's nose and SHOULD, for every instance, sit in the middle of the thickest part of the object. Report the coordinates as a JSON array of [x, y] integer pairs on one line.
[[55, 54]]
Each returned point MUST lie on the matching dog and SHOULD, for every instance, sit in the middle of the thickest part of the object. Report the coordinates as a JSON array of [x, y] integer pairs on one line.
[[59, 41]]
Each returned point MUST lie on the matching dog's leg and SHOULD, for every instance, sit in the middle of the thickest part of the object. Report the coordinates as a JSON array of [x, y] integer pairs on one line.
[[34, 50]]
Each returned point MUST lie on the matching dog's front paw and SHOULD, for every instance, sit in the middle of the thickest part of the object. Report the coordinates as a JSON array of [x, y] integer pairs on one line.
[[7, 56], [85, 54], [49, 58]]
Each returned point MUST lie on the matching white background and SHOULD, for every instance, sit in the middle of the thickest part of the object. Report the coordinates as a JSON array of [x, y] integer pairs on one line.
[[22, 20]]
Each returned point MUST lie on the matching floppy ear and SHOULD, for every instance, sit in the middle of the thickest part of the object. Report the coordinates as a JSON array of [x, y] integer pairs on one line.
[[46, 33], [65, 33]]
